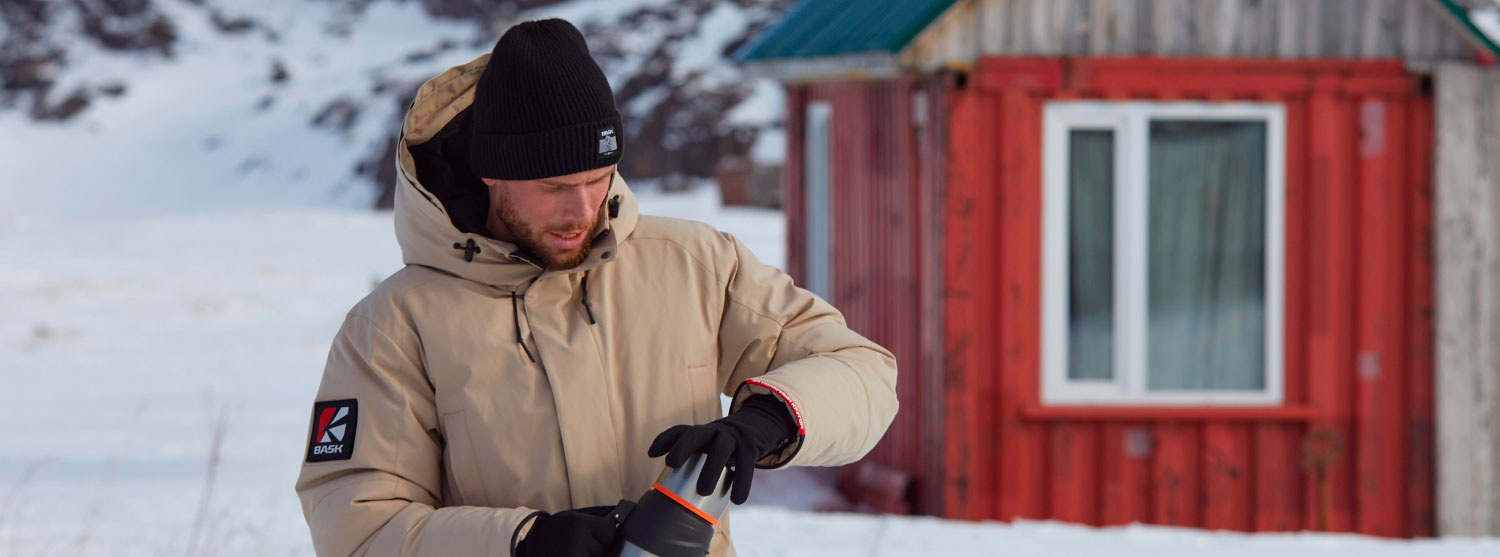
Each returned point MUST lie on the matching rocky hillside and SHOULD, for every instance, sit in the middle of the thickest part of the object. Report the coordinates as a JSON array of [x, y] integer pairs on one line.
[[234, 80]]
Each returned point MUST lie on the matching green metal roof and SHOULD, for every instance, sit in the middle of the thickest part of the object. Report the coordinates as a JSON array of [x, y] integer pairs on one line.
[[823, 28]]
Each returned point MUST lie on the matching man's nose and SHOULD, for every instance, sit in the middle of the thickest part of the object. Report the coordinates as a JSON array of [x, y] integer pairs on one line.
[[577, 204]]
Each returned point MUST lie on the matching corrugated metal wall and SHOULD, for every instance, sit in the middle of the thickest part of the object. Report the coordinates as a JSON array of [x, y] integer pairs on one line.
[[1358, 316], [958, 203], [885, 238]]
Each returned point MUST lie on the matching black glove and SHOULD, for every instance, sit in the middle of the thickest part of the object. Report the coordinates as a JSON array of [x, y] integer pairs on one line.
[[761, 426], [573, 533]]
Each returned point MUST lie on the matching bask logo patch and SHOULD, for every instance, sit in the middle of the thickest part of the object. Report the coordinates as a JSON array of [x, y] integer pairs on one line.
[[608, 143], [333, 430]]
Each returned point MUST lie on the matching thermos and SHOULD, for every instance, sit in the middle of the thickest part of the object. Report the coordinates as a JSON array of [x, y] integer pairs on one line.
[[671, 519]]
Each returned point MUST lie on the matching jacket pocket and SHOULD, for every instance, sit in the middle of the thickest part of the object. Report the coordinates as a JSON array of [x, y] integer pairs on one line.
[[461, 465]]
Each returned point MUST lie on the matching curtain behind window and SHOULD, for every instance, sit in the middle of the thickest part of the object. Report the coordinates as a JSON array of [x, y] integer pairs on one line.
[[1091, 254], [1207, 254]]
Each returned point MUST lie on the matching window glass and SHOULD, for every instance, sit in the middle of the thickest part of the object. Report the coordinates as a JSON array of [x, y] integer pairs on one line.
[[1206, 258], [1091, 254]]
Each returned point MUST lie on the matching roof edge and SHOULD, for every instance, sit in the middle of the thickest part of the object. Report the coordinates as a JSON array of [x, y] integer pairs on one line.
[[1458, 16], [927, 20], [744, 53], [747, 52], [873, 64]]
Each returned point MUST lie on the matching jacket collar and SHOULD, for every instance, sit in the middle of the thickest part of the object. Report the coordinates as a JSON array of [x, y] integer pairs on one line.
[[427, 235]]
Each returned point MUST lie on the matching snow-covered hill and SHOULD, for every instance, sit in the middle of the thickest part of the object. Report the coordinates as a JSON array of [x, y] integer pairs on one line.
[[149, 106]]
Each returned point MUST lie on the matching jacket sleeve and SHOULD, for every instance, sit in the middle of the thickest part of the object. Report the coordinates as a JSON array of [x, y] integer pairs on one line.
[[776, 338], [385, 498]]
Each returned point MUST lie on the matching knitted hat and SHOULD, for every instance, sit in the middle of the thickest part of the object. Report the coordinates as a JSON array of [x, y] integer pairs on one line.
[[542, 107]]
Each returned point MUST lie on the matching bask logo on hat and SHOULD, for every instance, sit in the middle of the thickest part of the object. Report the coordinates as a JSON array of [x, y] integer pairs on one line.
[[607, 142], [333, 430]]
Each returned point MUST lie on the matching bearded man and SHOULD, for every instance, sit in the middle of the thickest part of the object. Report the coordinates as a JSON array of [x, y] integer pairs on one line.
[[546, 344]]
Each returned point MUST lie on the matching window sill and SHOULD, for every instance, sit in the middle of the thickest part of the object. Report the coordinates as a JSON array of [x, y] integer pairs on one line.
[[1170, 413]]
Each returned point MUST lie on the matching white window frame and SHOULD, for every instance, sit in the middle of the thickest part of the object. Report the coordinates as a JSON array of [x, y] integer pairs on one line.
[[818, 192], [1130, 122]]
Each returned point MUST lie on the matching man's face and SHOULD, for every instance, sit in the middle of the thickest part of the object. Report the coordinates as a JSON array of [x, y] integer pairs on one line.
[[551, 218]]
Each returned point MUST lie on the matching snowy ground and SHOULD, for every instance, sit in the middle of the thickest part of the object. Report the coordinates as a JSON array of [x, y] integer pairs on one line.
[[123, 341], [156, 288]]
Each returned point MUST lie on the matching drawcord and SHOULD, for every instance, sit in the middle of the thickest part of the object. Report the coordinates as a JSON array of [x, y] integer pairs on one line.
[[515, 310], [586, 306]]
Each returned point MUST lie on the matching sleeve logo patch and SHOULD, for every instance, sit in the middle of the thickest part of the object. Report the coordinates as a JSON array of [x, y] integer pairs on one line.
[[333, 430]]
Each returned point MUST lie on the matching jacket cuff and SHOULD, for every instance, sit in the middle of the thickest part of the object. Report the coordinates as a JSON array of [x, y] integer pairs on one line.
[[753, 387], [522, 529]]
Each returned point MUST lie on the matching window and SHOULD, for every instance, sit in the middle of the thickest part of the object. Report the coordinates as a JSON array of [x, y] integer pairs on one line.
[[817, 181], [1162, 253]]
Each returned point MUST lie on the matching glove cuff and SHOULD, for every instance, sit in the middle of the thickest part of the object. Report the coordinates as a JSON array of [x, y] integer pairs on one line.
[[753, 387], [769, 416]]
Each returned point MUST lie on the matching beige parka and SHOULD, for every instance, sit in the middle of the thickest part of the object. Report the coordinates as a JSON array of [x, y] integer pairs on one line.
[[487, 389]]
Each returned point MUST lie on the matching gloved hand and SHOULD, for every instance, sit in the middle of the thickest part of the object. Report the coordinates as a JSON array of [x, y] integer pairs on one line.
[[572, 533], [761, 426]]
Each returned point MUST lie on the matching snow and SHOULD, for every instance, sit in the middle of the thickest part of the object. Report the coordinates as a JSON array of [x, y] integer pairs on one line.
[[700, 53], [191, 134], [636, 46], [837, 535], [210, 130], [763, 106], [179, 258], [763, 109], [580, 11], [643, 103], [770, 146], [126, 337], [1488, 21], [123, 337], [704, 51]]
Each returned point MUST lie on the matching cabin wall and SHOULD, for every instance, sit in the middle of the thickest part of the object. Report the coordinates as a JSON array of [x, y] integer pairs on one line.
[[1351, 448], [1468, 300], [887, 146], [1414, 30]]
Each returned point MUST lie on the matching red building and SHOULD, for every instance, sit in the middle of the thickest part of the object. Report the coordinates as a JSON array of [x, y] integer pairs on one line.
[[1162, 262]]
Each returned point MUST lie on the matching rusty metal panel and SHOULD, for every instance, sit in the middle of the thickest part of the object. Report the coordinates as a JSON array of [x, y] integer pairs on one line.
[[1331, 361], [1344, 464], [1350, 449], [876, 250], [971, 260], [1421, 510], [791, 183], [1380, 364], [930, 123]]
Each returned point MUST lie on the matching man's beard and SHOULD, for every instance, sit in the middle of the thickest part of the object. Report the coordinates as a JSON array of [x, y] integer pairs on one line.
[[531, 240]]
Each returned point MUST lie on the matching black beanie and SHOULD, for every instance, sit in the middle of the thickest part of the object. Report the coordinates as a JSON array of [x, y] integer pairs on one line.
[[542, 107]]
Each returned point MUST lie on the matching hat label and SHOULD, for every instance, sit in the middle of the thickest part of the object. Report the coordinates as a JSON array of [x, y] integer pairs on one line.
[[608, 144]]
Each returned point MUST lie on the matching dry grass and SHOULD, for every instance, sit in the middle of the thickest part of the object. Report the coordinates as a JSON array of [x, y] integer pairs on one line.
[[7, 506], [201, 535]]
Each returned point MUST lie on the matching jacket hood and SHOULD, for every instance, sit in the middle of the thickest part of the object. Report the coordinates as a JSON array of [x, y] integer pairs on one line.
[[439, 211]]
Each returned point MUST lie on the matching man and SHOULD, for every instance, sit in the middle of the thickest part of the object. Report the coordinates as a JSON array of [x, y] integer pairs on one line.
[[545, 343]]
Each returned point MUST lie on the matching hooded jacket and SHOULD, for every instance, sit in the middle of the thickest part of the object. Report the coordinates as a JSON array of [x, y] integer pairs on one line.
[[485, 389]]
